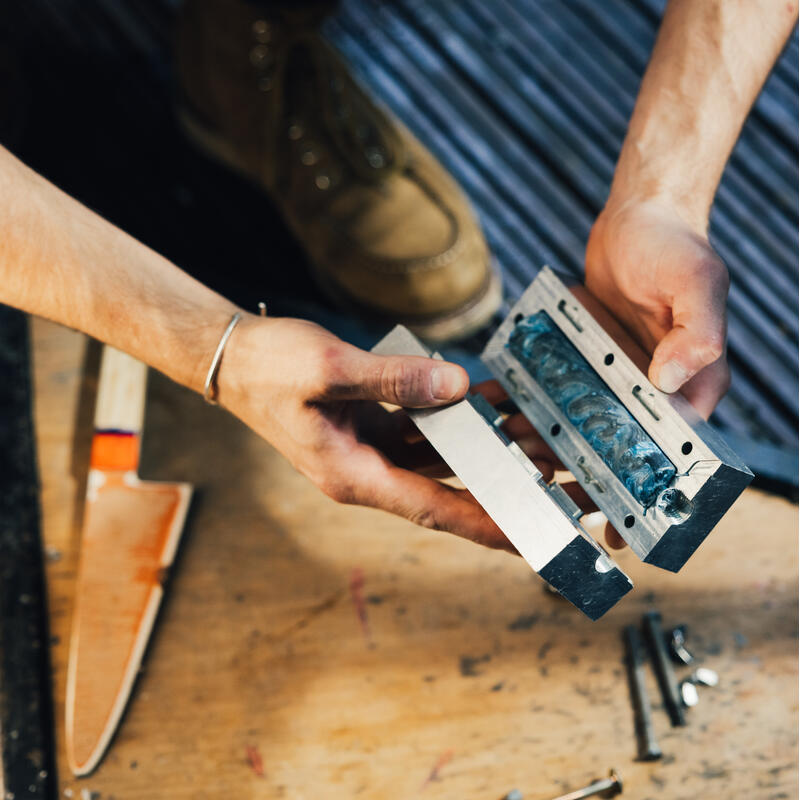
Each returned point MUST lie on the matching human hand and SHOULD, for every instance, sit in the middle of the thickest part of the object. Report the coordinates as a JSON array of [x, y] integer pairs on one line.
[[664, 283], [316, 399]]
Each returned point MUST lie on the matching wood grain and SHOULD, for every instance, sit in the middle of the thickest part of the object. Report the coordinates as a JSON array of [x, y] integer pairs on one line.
[[120, 393], [310, 650], [130, 534]]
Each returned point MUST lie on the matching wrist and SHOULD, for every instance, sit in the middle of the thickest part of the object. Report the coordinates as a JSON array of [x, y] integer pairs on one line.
[[197, 337], [662, 163], [641, 200], [242, 360]]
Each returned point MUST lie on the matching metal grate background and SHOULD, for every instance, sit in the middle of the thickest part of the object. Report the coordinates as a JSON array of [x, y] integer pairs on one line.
[[527, 103]]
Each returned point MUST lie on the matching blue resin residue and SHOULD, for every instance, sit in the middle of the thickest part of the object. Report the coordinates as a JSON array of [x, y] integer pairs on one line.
[[608, 427]]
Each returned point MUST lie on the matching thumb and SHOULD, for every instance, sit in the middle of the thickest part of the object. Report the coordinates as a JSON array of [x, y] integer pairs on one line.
[[697, 337], [408, 381]]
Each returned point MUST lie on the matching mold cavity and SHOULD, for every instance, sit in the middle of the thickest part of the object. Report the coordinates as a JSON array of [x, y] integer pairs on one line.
[[588, 404]]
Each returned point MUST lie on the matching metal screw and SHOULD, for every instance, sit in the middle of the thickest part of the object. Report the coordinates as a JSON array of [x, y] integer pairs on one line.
[[705, 676], [643, 715], [608, 787], [689, 694], [677, 645], [662, 665]]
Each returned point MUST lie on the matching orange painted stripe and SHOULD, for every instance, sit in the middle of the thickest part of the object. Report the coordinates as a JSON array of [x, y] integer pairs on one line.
[[116, 451]]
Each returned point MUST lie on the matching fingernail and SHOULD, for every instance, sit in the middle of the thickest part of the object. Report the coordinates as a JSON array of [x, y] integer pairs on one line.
[[445, 383], [671, 377]]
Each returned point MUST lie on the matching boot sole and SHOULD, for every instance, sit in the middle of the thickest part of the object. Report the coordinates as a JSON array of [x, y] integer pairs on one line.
[[438, 328]]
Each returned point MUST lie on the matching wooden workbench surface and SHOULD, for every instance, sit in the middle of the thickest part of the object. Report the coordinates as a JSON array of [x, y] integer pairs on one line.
[[464, 681]]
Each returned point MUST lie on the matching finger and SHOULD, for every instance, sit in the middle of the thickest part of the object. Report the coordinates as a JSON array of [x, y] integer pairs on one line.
[[408, 381], [421, 457], [491, 390], [613, 539], [518, 426], [579, 496], [377, 483], [697, 337], [376, 425], [527, 437], [437, 470], [387, 432], [519, 429], [708, 387], [546, 468], [538, 452], [401, 424]]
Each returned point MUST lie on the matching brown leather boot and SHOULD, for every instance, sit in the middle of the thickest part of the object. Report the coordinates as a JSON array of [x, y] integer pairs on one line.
[[386, 228]]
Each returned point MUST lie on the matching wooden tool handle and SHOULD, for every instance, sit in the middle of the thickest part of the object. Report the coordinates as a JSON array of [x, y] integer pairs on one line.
[[120, 393]]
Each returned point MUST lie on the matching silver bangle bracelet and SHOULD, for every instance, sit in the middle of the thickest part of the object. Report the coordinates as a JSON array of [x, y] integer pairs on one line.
[[210, 386]]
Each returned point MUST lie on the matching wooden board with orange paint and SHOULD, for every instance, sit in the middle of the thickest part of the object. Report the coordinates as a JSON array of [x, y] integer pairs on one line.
[[306, 649]]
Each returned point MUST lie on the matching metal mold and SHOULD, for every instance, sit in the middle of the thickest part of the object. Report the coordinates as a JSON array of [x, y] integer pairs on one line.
[[708, 474], [663, 521], [540, 520]]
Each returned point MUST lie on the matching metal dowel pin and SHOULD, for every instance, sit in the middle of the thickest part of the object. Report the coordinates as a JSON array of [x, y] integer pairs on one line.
[[648, 747], [608, 787], [662, 665]]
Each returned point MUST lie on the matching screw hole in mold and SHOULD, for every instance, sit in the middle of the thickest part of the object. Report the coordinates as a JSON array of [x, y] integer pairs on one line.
[[629, 521]]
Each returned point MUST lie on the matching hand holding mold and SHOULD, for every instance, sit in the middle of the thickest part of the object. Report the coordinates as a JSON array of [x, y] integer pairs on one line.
[[665, 284], [648, 259]]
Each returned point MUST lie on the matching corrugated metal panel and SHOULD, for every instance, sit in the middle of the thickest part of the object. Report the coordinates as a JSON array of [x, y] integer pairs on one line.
[[527, 103]]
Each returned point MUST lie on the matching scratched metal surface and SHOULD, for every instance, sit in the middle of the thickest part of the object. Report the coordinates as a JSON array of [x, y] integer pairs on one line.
[[525, 101]]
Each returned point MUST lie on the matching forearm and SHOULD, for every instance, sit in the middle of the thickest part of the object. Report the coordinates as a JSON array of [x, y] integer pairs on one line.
[[61, 261], [709, 63]]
